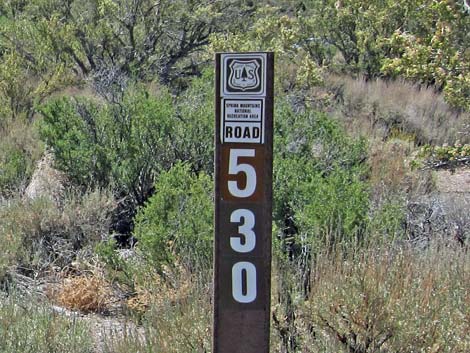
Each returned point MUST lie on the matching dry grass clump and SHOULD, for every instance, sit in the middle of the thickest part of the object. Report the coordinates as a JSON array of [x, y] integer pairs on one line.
[[393, 174], [140, 301], [390, 301], [177, 319], [85, 293], [45, 234], [388, 164], [364, 301], [156, 292], [380, 108]]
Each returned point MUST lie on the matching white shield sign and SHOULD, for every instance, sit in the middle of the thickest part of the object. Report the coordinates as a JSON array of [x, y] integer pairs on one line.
[[244, 74]]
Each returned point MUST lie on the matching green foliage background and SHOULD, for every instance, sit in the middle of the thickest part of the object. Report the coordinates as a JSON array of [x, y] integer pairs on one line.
[[121, 93]]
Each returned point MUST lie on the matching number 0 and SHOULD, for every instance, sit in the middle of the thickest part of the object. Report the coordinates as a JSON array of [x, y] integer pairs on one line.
[[244, 282], [234, 168]]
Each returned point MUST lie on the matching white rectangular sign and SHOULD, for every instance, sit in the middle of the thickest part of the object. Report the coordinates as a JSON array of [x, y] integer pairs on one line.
[[243, 110], [242, 132], [242, 121]]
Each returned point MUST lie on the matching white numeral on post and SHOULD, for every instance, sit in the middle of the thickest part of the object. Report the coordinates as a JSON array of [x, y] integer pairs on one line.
[[243, 273], [234, 168], [244, 282], [245, 229]]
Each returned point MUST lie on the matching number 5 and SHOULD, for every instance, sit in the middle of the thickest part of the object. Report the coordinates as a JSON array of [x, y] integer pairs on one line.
[[234, 168]]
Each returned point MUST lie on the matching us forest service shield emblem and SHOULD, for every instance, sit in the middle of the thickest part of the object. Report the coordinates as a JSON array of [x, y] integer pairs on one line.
[[244, 75]]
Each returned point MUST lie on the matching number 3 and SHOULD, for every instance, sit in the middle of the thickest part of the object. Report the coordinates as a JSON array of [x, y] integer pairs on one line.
[[234, 168], [245, 229]]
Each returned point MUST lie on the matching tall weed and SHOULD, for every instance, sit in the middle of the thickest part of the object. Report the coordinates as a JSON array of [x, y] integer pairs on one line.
[[391, 300], [26, 327]]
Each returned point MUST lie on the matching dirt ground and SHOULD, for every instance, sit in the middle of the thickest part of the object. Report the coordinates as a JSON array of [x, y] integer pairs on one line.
[[453, 182]]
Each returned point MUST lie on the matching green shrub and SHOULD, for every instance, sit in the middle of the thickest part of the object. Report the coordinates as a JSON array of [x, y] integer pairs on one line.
[[123, 144], [175, 226], [118, 269], [17, 89], [387, 220], [319, 178], [26, 227], [75, 131], [10, 246], [337, 210], [26, 327], [300, 61], [321, 201]]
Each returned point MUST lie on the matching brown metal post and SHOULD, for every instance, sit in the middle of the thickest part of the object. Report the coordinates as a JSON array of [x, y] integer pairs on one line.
[[243, 202]]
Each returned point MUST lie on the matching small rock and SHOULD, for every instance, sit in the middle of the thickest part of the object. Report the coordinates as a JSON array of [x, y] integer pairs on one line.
[[47, 181]]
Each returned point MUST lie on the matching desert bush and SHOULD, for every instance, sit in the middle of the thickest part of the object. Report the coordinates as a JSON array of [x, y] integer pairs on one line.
[[11, 249], [321, 200], [127, 144], [17, 87], [175, 226], [299, 56], [377, 300], [99, 144], [389, 165], [390, 301], [336, 211], [432, 52], [117, 268], [449, 156], [28, 225], [319, 177], [20, 148], [70, 130], [387, 222], [88, 216], [38, 233], [29, 327], [122, 144], [194, 124]]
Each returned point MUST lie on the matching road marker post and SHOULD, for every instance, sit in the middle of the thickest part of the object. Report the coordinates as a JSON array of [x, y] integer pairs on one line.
[[243, 201]]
